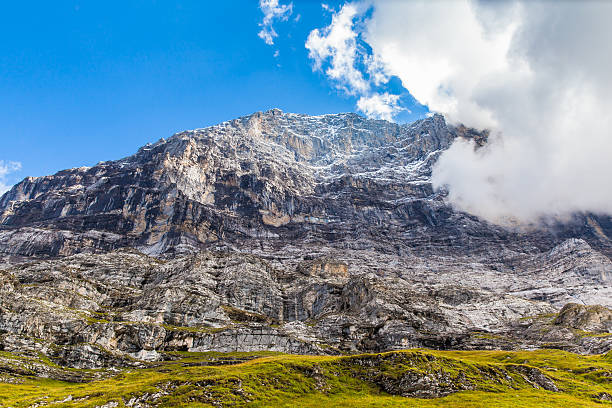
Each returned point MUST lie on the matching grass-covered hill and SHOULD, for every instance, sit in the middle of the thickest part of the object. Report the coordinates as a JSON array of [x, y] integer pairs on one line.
[[412, 378]]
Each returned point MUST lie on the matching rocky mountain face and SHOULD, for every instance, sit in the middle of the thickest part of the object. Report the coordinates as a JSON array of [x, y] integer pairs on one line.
[[287, 232]]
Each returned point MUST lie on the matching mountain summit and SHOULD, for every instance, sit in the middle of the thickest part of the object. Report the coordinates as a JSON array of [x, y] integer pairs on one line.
[[282, 177], [287, 232], [268, 179]]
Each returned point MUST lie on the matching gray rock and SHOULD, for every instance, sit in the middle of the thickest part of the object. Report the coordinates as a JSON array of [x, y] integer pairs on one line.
[[287, 232]]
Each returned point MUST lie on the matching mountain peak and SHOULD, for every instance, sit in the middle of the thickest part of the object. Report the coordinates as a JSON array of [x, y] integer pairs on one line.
[[262, 171], [270, 174], [274, 112], [293, 231]]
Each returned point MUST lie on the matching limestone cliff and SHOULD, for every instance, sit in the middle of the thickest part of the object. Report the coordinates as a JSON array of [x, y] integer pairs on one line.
[[287, 232]]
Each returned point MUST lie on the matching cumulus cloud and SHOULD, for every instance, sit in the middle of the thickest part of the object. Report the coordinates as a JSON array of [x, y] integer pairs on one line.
[[537, 74], [272, 11], [349, 66], [5, 169], [383, 106], [338, 44]]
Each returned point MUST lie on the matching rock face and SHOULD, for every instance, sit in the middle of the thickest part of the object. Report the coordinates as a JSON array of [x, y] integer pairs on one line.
[[596, 319], [269, 177], [284, 232]]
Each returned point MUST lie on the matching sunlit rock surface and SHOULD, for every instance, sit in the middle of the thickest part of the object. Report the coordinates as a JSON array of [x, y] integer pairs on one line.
[[286, 232]]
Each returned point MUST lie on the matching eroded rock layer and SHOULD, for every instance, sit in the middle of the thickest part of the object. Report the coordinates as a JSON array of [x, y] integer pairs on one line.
[[287, 232]]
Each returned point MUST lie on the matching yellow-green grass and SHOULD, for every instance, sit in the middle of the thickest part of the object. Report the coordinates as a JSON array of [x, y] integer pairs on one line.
[[347, 381]]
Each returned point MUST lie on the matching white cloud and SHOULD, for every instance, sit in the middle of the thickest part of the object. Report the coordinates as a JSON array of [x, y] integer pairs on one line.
[[440, 52], [337, 46], [5, 169], [536, 73], [272, 10], [380, 106]]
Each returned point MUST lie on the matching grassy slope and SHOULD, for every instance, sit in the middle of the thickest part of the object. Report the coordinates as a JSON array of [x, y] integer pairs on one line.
[[351, 381]]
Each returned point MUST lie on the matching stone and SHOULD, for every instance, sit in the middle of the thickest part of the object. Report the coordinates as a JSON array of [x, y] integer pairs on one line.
[[292, 233]]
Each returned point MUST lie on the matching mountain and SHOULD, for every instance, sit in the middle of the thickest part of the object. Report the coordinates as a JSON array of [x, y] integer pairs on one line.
[[267, 179], [287, 232]]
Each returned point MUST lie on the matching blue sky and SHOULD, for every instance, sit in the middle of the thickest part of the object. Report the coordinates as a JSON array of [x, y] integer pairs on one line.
[[83, 81], [86, 81]]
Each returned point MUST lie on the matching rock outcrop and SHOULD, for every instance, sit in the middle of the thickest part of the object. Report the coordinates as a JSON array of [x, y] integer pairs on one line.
[[291, 233]]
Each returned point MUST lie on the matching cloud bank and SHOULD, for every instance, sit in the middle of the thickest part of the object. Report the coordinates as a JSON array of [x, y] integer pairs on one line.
[[272, 11], [537, 74], [5, 169]]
